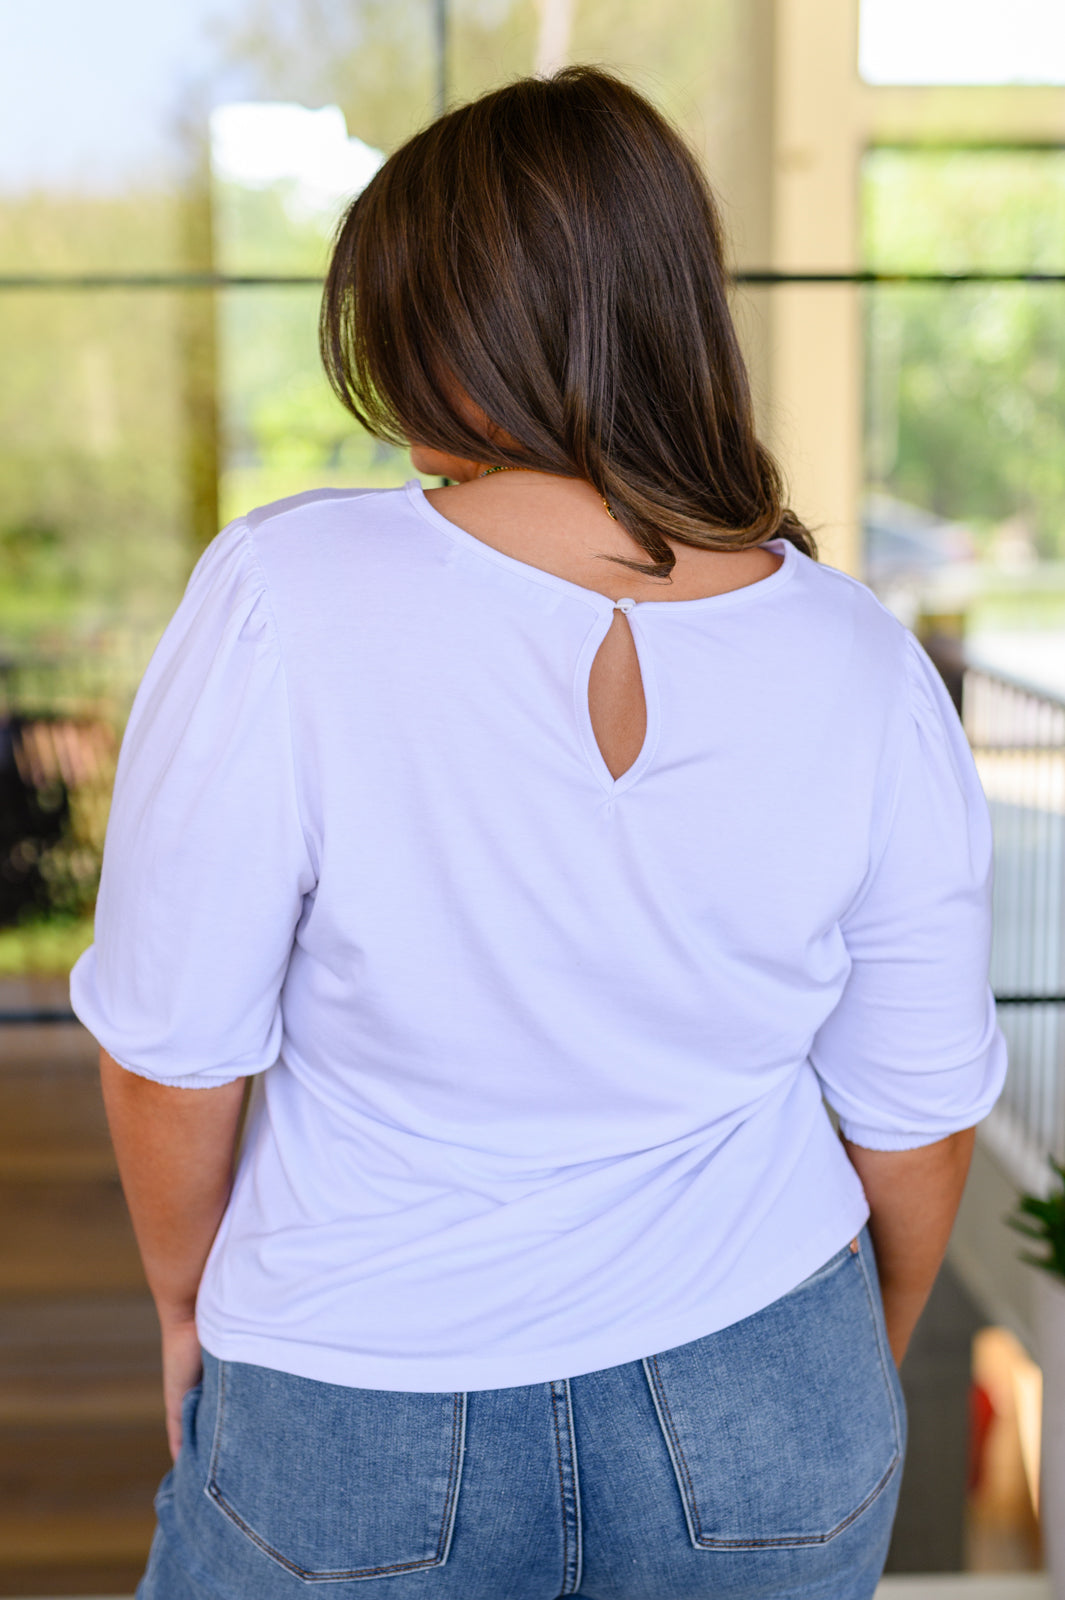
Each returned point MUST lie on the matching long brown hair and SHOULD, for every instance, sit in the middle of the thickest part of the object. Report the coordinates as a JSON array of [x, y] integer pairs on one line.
[[553, 252]]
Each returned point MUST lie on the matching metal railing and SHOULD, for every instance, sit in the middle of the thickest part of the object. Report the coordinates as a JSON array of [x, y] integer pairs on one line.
[[1017, 734]]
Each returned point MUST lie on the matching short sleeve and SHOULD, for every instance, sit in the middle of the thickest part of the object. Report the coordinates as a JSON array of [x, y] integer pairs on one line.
[[205, 861], [912, 1052]]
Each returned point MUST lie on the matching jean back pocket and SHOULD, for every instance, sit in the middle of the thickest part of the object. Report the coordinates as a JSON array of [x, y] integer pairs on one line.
[[334, 1482], [784, 1427]]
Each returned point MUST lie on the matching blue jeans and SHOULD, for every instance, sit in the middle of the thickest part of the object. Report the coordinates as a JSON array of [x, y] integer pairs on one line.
[[762, 1461]]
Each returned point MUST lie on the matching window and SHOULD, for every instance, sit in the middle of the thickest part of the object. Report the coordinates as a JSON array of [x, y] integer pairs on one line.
[[965, 413]]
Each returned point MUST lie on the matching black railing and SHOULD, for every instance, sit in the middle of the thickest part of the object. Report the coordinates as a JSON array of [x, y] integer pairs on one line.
[[1017, 733], [31, 1018]]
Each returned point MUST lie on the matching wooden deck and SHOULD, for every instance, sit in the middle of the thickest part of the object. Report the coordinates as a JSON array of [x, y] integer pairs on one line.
[[82, 1446]]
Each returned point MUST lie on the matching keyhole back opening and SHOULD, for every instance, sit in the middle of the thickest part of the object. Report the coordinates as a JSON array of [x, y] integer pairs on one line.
[[616, 702]]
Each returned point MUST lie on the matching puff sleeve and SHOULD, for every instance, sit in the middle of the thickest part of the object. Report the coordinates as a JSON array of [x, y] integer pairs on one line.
[[205, 861], [912, 1052]]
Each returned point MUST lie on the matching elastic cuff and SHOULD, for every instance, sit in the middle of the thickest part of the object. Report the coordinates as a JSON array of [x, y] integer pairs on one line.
[[191, 1082], [891, 1139]]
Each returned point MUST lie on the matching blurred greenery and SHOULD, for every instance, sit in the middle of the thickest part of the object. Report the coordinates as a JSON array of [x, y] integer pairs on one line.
[[1042, 1218], [106, 425], [935, 209], [46, 946], [965, 406], [376, 61]]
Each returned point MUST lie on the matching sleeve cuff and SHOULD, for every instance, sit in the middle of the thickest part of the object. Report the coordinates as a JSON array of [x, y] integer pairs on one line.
[[193, 1081], [892, 1139]]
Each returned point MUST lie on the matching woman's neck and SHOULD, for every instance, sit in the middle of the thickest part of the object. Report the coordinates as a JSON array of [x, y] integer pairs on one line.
[[560, 525]]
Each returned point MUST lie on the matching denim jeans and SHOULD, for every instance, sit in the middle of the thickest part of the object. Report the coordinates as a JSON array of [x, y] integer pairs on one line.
[[762, 1461]]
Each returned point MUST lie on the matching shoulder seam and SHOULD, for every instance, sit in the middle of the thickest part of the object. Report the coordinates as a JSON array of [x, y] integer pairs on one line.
[[274, 509], [856, 583]]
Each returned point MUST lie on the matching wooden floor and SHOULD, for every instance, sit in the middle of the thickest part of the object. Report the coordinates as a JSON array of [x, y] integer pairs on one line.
[[82, 1447], [1035, 1586], [968, 1586]]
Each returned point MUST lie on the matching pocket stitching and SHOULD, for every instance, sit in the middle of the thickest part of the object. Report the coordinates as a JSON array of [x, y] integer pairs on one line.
[[575, 1508], [458, 1435], [680, 1464], [665, 1420], [795, 1541]]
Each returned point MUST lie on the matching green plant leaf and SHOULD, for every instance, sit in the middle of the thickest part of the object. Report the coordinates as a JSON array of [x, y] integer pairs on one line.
[[1042, 1218]]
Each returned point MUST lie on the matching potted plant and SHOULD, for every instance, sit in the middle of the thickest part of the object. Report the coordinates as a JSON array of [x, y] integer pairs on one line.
[[1042, 1218]]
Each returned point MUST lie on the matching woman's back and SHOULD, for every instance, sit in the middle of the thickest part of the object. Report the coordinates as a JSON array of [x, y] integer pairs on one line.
[[552, 1043]]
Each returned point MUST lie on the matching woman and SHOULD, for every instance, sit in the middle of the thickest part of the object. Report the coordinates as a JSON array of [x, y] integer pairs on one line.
[[548, 847]]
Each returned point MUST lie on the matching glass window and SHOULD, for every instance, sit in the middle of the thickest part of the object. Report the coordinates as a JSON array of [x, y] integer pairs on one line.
[[965, 412]]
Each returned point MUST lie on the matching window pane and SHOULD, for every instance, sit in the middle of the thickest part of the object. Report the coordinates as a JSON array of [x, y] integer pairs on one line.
[[965, 411], [956, 210]]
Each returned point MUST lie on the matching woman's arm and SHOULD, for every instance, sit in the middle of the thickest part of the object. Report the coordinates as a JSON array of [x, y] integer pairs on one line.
[[175, 1150], [913, 1199]]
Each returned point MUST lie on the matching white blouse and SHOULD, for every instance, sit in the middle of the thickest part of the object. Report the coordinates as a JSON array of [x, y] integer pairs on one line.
[[542, 1053]]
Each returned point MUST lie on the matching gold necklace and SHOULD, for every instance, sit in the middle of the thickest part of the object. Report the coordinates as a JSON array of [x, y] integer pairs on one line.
[[489, 470]]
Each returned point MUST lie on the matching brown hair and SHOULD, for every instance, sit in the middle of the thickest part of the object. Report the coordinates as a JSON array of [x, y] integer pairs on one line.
[[553, 251]]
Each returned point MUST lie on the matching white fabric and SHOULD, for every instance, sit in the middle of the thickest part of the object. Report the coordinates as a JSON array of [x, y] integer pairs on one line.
[[542, 1053]]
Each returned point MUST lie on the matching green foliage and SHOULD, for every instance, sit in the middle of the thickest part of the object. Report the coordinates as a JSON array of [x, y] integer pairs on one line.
[[71, 867], [1044, 1221], [376, 59], [107, 439], [47, 946], [965, 409], [94, 510], [258, 230], [959, 210], [93, 452], [138, 230]]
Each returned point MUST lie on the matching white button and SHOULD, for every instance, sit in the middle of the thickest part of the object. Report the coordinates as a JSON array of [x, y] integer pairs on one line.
[[624, 605]]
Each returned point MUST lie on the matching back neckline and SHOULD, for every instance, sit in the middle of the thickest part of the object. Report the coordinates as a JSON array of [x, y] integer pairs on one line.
[[602, 602]]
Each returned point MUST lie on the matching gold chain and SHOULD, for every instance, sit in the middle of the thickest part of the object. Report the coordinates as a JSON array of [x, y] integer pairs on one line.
[[488, 470]]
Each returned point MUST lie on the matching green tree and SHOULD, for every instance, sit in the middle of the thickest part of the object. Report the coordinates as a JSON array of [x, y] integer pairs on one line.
[[964, 392]]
